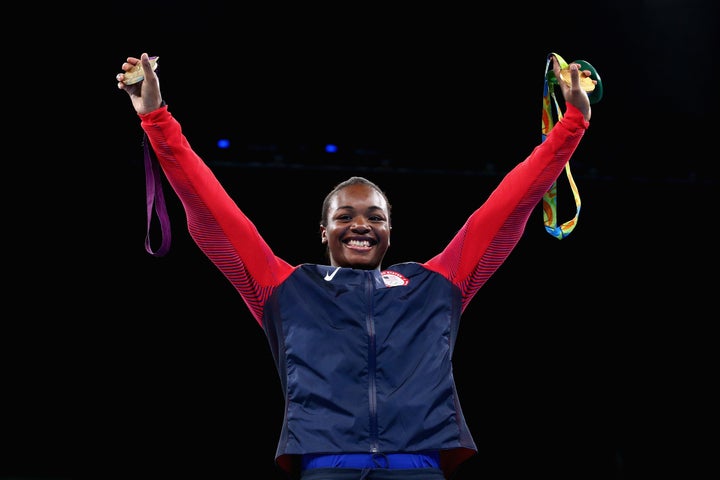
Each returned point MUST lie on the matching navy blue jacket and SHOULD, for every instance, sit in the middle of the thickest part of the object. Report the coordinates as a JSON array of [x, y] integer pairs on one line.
[[359, 390]]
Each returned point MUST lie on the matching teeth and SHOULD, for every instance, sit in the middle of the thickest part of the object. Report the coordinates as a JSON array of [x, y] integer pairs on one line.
[[359, 243]]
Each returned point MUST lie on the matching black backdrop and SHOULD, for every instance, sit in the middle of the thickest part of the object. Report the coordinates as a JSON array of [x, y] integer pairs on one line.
[[587, 357]]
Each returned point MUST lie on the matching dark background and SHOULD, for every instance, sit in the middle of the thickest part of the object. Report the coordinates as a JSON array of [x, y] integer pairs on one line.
[[589, 357]]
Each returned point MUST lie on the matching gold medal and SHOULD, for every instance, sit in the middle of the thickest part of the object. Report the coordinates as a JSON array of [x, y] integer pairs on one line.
[[136, 74], [586, 83]]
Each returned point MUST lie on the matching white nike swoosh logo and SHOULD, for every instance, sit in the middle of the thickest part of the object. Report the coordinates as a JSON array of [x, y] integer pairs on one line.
[[329, 276]]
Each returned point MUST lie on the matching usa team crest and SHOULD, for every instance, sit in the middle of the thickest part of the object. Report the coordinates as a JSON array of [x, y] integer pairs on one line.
[[393, 279]]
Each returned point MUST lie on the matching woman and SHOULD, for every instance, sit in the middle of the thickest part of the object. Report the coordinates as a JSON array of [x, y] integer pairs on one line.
[[364, 353]]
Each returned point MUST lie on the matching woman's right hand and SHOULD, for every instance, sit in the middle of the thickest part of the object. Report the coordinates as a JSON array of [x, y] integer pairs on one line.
[[145, 95]]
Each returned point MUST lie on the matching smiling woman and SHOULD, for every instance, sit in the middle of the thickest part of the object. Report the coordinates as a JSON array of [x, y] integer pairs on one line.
[[355, 224], [364, 351]]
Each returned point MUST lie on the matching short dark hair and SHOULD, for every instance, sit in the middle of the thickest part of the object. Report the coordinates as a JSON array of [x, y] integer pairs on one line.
[[346, 183]]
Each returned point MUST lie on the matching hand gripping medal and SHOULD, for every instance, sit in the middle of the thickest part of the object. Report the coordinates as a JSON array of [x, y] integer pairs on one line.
[[136, 74], [549, 117]]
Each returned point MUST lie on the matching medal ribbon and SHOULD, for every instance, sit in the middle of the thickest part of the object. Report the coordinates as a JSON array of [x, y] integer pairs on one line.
[[549, 200], [155, 201]]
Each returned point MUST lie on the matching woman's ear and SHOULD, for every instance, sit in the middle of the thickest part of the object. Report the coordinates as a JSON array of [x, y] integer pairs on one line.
[[323, 234]]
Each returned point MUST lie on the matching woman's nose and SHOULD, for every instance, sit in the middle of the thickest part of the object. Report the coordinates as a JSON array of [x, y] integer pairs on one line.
[[361, 226]]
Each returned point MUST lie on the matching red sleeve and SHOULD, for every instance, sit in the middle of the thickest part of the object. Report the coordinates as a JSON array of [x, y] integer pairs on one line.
[[216, 224], [493, 230]]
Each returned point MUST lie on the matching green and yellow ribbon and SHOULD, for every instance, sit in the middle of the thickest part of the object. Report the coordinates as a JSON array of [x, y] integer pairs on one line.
[[549, 200]]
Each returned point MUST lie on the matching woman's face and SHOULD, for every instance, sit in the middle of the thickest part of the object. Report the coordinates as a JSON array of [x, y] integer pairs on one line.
[[358, 229]]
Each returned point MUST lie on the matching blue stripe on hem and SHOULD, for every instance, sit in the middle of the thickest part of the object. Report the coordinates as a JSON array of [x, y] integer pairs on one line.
[[392, 461]]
